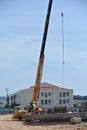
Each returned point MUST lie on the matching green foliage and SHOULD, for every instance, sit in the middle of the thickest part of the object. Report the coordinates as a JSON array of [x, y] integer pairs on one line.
[[75, 105], [8, 106]]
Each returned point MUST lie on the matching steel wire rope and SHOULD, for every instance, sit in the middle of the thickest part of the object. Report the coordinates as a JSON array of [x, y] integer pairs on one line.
[[63, 62]]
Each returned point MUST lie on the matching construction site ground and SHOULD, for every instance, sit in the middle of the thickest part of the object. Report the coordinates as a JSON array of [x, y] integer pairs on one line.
[[7, 123]]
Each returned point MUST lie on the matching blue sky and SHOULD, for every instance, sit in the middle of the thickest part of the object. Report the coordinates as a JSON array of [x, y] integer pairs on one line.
[[21, 31]]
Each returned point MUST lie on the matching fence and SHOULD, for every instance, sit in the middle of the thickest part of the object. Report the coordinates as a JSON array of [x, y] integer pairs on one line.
[[6, 110]]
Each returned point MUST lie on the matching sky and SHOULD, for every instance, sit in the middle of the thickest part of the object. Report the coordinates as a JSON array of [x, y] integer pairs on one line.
[[21, 31]]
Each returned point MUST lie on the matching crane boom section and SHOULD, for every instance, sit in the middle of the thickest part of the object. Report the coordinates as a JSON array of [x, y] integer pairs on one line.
[[38, 79], [41, 58], [46, 27]]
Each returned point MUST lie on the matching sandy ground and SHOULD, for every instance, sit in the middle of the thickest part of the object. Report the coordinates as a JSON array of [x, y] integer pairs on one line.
[[7, 123]]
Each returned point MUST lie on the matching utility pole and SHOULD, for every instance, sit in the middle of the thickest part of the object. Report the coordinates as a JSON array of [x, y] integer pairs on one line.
[[7, 97]]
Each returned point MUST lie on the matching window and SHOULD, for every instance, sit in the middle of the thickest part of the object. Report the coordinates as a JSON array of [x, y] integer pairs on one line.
[[67, 93], [64, 94], [49, 101], [46, 94], [45, 101], [64, 101], [60, 101], [49, 94], [67, 100], [42, 93], [60, 94], [14, 102], [11, 103], [42, 102]]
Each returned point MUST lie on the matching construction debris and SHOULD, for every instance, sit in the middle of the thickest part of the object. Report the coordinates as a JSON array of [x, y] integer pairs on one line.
[[72, 118], [75, 120]]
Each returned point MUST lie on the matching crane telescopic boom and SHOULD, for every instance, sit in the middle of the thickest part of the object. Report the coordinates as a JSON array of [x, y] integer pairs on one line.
[[41, 57]]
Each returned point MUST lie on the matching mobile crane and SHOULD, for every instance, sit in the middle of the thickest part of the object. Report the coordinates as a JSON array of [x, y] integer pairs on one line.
[[41, 58], [33, 105]]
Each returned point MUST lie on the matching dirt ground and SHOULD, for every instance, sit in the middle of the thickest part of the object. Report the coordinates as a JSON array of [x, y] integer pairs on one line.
[[7, 123]]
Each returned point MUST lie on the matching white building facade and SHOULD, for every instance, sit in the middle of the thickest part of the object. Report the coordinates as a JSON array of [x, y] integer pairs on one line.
[[50, 96]]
